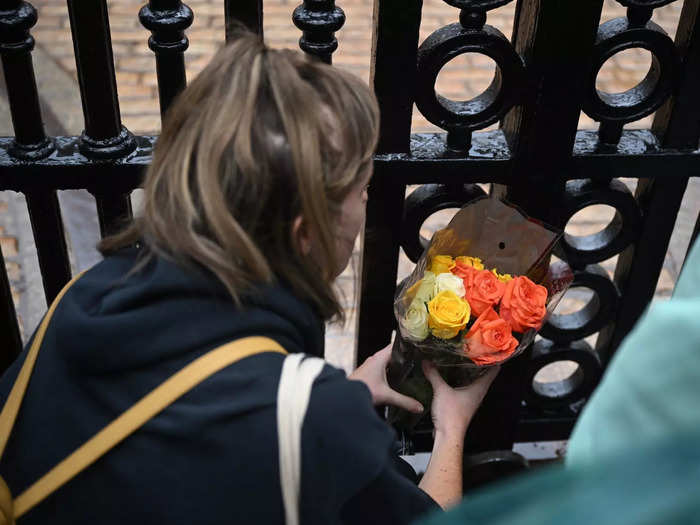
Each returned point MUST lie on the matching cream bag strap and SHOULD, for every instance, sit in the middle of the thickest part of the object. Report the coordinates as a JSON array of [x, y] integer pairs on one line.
[[129, 421], [298, 374]]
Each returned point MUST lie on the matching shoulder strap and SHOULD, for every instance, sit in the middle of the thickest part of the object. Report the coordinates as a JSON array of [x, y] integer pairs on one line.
[[133, 418], [294, 391], [177, 385], [14, 400]]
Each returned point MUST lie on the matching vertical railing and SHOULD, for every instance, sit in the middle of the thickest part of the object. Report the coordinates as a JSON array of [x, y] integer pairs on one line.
[[16, 44], [167, 21], [104, 137], [555, 39], [392, 75], [318, 21], [677, 126], [31, 143], [246, 12], [10, 340]]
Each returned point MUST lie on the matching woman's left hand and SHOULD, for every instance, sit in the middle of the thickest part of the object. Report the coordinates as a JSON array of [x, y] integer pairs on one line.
[[373, 373]]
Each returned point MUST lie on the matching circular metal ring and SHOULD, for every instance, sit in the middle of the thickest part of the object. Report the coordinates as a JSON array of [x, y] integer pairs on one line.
[[622, 231], [483, 5], [643, 99], [504, 92], [487, 467], [564, 328], [578, 386], [644, 3], [422, 203]]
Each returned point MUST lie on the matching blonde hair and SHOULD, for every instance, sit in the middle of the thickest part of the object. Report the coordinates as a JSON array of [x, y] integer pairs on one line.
[[260, 137]]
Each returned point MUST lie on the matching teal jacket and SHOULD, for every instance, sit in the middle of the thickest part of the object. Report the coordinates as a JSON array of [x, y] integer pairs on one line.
[[634, 455]]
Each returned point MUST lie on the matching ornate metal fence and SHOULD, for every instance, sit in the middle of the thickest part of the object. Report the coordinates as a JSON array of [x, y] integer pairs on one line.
[[546, 74]]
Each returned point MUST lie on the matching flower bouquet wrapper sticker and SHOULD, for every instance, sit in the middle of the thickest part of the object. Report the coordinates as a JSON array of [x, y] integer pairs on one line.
[[476, 298]]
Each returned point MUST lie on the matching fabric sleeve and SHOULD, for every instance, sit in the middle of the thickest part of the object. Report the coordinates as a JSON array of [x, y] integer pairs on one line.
[[347, 458], [651, 388], [390, 499]]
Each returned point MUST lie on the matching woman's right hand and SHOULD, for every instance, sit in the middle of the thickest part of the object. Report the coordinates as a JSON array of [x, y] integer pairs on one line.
[[453, 408]]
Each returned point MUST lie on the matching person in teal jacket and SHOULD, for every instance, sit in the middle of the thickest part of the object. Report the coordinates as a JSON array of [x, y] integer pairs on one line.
[[634, 455]]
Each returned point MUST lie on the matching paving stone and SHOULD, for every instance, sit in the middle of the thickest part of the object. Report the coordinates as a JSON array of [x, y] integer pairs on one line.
[[9, 246], [13, 270], [139, 106], [142, 124], [136, 64]]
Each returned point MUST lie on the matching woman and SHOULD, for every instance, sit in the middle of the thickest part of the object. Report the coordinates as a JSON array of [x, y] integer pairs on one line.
[[253, 202]]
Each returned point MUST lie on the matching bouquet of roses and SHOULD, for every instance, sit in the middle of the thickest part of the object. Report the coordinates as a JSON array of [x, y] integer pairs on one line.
[[477, 297], [460, 305]]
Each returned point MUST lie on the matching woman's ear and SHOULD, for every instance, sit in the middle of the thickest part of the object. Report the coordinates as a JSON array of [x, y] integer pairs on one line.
[[300, 235]]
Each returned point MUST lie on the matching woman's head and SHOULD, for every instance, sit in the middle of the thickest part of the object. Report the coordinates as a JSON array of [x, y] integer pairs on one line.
[[259, 170]]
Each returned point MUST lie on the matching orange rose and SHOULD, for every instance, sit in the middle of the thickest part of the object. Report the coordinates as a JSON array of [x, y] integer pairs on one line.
[[489, 340], [483, 289], [524, 304], [464, 270]]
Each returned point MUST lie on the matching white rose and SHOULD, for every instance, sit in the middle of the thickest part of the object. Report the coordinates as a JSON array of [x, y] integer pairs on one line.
[[425, 292], [415, 322], [449, 281]]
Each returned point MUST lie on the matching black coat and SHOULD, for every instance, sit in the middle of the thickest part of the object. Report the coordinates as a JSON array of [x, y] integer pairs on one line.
[[211, 457]]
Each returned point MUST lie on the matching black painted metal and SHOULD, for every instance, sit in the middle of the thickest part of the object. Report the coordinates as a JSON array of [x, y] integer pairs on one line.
[[622, 231], [460, 118], [392, 75], [104, 136], [565, 328], [16, 44], [645, 3], [551, 397], [319, 20], [488, 467], [693, 238], [113, 212], [425, 201], [31, 144], [10, 341], [538, 160], [556, 41], [677, 126], [616, 109], [247, 12], [167, 21], [47, 226]]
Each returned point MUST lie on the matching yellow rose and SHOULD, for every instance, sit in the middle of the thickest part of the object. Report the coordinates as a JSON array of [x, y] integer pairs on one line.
[[442, 264], [415, 322], [474, 262], [503, 277], [447, 315]]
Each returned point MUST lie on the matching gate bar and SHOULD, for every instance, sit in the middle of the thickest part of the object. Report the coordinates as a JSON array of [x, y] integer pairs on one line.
[[167, 21], [249, 12], [104, 136], [16, 44], [677, 126], [392, 75], [50, 241], [10, 341], [31, 143], [556, 41]]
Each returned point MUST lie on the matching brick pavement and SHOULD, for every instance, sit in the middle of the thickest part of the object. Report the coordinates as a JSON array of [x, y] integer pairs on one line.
[[463, 78]]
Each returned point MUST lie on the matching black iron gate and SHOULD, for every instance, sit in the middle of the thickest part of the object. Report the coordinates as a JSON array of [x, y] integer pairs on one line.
[[545, 75]]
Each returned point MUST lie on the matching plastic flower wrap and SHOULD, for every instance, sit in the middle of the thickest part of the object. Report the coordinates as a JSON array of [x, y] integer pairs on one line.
[[477, 297]]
